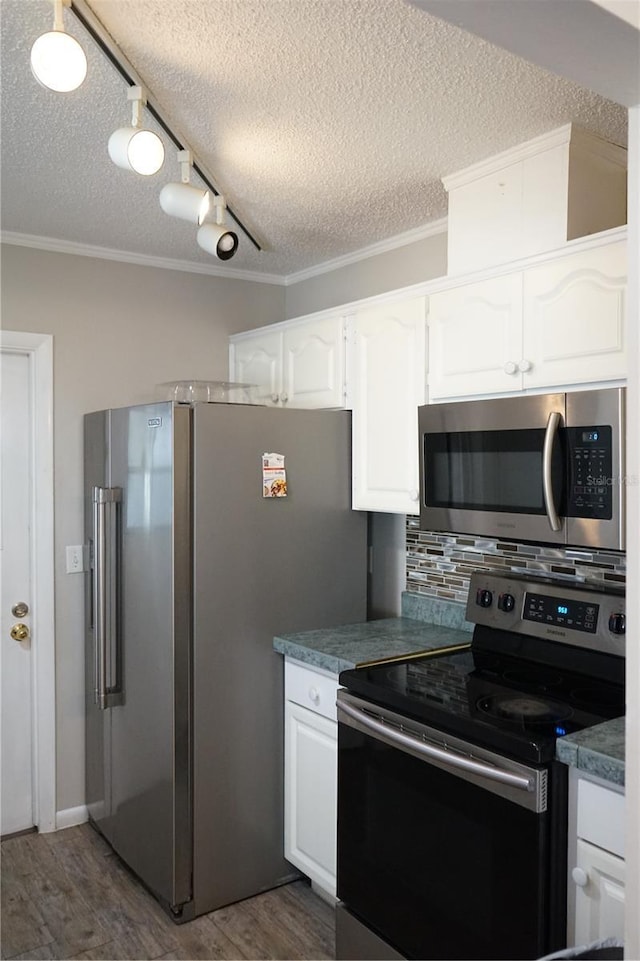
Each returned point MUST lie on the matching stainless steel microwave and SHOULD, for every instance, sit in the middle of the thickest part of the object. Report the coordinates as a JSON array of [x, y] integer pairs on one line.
[[546, 468]]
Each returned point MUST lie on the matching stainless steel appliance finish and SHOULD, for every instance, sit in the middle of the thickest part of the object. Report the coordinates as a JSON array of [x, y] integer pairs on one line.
[[547, 468], [192, 573], [446, 766]]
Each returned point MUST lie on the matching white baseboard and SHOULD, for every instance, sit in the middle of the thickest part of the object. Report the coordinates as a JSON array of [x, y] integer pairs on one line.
[[71, 816]]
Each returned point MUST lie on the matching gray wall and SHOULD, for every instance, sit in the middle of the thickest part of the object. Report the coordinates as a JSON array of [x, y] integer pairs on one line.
[[402, 267], [118, 330]]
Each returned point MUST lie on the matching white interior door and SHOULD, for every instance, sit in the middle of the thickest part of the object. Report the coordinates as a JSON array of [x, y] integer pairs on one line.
[[15, 546]]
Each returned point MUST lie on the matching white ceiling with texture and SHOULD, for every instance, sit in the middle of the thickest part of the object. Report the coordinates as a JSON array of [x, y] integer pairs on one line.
[[327, 124]]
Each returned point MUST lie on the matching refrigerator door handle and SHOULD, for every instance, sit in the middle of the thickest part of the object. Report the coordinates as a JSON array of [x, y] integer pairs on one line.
[[105, 595]]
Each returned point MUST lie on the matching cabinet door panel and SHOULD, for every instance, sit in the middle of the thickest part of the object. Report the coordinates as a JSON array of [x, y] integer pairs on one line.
[[258, 360], [600, 902], [311, 794], [475, 333], [389, 373], [574, 318], [314, 364]]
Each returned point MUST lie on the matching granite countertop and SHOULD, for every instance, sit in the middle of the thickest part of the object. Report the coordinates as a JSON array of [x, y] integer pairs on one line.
[[426, 624], [597, 750]]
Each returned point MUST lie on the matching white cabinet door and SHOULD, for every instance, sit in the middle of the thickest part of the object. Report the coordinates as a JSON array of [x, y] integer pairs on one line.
[[574, 310], [311, 751], [389, 384], [258, 360], [599, 878], [475, 338], [314, 363]]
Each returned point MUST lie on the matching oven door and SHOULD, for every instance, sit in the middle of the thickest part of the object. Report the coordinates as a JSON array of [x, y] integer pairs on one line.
[[445, 850]]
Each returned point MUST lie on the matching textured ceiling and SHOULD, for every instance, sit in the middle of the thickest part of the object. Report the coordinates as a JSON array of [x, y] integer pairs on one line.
[[327, 124]]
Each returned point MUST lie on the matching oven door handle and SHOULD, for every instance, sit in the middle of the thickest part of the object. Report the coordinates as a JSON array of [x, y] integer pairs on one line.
[[550, 435], [431, 751]]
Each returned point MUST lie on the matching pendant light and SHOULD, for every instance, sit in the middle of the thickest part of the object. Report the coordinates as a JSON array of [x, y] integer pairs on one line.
[[58, 61], [134, 148], [182, 200], [216, 238]]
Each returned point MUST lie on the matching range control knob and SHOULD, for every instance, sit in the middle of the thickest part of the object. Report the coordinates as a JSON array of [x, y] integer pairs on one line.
[[617, 623], [506, 602], [484, 598]]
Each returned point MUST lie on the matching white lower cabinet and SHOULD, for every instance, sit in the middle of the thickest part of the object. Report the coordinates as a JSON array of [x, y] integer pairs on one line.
[[387, 383], [599, 879], [596, 866], [310, 773]]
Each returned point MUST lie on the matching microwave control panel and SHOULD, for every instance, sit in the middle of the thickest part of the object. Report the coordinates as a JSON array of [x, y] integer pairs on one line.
[[590, 471]]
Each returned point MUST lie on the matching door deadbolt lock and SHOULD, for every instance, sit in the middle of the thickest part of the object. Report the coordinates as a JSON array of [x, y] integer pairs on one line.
[[19, 632], [20, 609]]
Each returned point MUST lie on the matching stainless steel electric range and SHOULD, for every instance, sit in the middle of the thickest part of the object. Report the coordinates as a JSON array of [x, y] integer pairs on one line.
[[452, 809]]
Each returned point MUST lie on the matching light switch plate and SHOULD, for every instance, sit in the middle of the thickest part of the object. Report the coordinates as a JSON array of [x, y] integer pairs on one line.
[[75, 559]]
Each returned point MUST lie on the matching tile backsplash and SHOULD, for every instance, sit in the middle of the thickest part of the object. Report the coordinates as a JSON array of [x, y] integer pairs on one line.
[[440, 564]]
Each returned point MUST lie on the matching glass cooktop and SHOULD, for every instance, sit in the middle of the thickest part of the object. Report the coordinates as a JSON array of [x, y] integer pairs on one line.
[[505, 702]]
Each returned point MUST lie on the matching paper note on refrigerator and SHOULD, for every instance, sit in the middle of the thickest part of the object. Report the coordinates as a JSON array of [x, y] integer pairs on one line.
[[274, 476]]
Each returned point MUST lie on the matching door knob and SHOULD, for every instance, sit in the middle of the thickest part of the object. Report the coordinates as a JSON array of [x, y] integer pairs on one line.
[[19, 632], [20, 609]]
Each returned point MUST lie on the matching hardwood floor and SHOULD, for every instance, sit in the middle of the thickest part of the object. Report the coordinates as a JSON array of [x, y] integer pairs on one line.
[[67, 895]]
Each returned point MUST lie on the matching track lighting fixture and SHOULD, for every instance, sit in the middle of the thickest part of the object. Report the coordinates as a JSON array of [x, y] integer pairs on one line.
[[182, 200], [57, 59], [216, 238], [134, 148]]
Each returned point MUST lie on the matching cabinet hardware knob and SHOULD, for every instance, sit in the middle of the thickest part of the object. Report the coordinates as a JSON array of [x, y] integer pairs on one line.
[[580, 877], [413, 494], [524, 366], [284, 398], [314, 695], [510, 367], [275, 398]]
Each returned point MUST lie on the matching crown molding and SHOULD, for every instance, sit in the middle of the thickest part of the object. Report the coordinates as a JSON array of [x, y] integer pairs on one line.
[[55, 245], [381, 247]]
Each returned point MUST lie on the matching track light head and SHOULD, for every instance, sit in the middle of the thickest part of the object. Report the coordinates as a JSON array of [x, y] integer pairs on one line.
[[218, 240], [58, 62], [134, 148], [182, 200]]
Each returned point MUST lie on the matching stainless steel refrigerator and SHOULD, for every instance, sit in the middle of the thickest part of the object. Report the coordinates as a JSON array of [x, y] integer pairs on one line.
[[192, 572]]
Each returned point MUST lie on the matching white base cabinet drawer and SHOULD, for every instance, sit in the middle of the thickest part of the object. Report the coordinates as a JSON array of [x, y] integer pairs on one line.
[[311, 749], [311, 689]]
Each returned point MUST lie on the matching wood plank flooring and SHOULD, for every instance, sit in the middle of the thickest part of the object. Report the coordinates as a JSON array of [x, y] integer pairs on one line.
[[67, 895]]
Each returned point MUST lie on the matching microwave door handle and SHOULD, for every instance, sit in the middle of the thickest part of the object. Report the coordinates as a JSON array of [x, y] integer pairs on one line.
[[550, 436], [429, 751]]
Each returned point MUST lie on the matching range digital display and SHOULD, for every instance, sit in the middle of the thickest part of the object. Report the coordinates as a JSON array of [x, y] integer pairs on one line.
[[558, 612]]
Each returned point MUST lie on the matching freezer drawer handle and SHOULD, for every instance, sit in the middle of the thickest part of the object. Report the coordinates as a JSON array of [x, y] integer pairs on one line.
[[105, 599], [430, 751], [547, 452]]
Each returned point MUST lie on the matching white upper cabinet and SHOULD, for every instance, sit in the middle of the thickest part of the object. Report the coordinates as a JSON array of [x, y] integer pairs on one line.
[[475, 338], [574, 318], [298, 364], [257, 359], [558, 323], [533, 198], [387, 377]]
